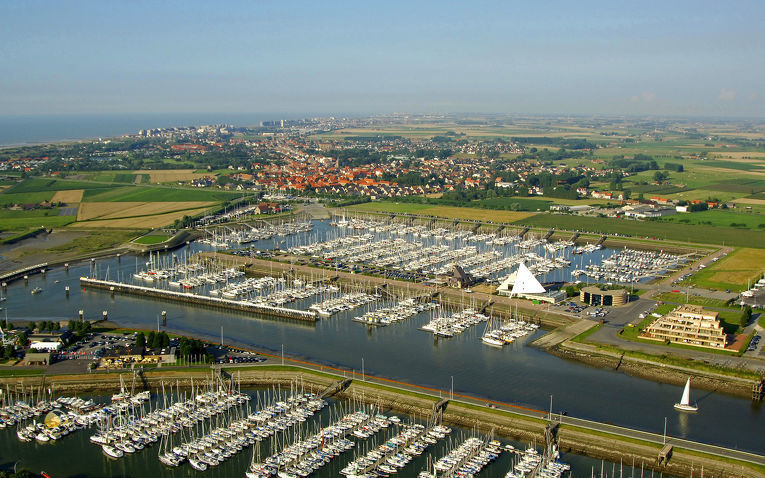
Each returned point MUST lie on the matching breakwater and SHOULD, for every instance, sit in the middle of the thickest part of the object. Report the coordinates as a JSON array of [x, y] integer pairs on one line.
[[192, 298]]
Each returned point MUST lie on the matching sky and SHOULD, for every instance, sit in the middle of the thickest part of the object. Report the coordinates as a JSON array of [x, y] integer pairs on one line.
[[668, 58]]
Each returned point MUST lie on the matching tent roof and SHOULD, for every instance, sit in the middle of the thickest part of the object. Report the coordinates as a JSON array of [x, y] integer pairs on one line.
[[526, 283]]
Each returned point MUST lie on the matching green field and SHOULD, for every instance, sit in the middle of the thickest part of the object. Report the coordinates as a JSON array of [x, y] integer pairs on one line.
[[25, 198], [691, 299], [21, 223], [524, 204], [152, 239], [649, 229], [736, 272], [719, 217], [12, 214], [746, 186], [98, 241], [155, 194], [44, 184]]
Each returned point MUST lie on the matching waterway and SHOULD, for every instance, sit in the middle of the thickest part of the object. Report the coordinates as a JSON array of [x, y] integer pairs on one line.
[[90, 462], [516, 373]]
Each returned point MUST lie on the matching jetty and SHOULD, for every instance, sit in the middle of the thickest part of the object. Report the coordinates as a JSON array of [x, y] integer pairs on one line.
[[18, 273], [191, 298]]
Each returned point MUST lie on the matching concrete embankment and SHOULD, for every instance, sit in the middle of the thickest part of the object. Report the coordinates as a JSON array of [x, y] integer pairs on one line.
[[652, 370], [528, 426]]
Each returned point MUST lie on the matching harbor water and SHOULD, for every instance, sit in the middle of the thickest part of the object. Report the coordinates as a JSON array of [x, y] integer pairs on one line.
[[515, 374], [56, 457]]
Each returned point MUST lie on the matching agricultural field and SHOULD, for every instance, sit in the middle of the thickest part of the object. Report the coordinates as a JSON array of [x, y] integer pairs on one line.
[[12, 220], [702, 234], [171, 175], [89, 211], [156, 194], [47, 184], [68, 196], [720, 217], [451, 212], [28, 222], [139, 222], [736, 272], [7, 199], [100, 204]]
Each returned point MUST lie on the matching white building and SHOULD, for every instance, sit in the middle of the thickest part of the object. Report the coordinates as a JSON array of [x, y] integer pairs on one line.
[[526, 286]]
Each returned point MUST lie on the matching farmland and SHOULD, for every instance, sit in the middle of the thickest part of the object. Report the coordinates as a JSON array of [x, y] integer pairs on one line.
[[703, 234], [68, 196], [171, 175], [718, 217], [451, 212], [102, 204], [137, 222], [155, 194], [115, 210]]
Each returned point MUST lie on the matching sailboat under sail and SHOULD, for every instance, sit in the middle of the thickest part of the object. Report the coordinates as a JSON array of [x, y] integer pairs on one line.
[[685, 402]]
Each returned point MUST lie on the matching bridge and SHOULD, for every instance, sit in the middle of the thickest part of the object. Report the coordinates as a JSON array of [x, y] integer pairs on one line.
[[336, 387]]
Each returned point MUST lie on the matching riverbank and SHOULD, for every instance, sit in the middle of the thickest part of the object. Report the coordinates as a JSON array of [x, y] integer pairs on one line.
[[526, 426]]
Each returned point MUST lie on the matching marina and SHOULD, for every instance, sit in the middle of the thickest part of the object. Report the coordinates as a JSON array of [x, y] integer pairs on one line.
[[217, 426], [343, 342]]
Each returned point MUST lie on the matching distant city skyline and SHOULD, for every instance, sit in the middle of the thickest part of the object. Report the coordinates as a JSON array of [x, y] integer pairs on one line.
[[298, 58]]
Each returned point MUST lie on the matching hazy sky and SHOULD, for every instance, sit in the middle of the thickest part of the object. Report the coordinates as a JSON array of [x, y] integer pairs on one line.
[[668, 58]]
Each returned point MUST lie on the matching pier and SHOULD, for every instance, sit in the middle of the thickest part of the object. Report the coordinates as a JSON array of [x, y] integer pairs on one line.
[[191, 298], [13, 275]]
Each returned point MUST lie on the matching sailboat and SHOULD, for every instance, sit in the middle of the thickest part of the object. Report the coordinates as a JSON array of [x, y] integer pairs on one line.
[[685, 402]]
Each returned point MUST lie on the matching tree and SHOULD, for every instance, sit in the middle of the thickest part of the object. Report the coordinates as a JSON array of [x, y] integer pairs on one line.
[[32, 325], [72, 325], [150, 339], [23, 339], [660, 176], [140, 340]]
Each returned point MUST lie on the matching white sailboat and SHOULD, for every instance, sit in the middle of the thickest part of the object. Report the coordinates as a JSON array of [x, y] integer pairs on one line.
[[685, 402]]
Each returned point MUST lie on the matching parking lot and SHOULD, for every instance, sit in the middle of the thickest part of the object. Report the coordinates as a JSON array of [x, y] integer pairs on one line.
[[95, 345]]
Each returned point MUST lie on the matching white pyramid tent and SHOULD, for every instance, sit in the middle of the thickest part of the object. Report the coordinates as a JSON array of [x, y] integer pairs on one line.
[[526, 283], [507, 284]]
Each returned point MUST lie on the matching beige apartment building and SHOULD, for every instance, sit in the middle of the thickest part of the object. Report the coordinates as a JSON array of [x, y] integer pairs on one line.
[[691, 325]]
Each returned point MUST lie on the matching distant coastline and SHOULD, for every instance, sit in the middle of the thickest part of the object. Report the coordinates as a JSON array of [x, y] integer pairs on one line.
[[27, 130]]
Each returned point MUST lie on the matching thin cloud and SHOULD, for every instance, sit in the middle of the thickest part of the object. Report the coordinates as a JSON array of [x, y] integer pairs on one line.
[[644, 97], [727, 95]]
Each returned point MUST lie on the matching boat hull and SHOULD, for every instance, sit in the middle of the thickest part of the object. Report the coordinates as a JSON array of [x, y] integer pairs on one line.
[[686, 408]]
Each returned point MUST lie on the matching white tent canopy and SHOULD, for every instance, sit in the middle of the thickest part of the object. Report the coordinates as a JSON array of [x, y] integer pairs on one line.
[[526, 283], [47, 346]]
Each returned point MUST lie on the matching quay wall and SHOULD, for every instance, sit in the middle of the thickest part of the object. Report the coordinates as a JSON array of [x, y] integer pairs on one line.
[[198, 299], [599, 445]]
